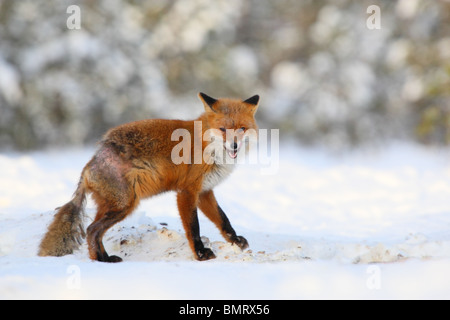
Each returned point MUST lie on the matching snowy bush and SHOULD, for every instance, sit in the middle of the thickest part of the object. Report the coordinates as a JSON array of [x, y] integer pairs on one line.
[[323, 75]]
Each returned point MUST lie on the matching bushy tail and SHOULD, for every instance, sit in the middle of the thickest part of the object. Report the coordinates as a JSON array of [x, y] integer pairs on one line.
[[66, 232]]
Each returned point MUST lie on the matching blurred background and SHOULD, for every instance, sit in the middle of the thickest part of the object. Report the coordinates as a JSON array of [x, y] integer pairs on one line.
[[324, 77]]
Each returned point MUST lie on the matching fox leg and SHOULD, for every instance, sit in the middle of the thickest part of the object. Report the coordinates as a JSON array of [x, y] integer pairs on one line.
[[96, 231], [188, 212], [112, 192], [208, 205], [112, 207]]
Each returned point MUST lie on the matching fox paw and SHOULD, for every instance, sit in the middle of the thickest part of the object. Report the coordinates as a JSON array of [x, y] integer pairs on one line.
[[241, 242], [110, 259], [205, 254], [114, 259]]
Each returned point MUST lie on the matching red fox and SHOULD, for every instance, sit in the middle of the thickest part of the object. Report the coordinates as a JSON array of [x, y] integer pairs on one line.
[[134, 162]]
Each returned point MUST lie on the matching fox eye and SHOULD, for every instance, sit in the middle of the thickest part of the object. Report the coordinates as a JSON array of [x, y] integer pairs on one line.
[[243, 128], [223, 129]]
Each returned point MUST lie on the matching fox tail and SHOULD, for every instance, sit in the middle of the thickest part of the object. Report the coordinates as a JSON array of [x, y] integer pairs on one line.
[[66, 232]]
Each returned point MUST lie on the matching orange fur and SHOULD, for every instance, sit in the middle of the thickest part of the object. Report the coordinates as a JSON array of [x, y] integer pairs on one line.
[[134, 162]]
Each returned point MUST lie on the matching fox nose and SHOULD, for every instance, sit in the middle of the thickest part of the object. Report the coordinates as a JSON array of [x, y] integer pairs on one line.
[[234, 146]]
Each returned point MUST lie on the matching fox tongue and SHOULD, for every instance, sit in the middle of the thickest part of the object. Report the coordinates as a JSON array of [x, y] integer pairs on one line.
[[232, 154]]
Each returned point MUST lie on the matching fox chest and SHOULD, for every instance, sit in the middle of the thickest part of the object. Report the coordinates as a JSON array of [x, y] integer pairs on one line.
[[216, 176]]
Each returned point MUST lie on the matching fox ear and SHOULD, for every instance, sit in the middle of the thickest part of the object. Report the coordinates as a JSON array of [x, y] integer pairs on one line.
[[254, 102], [207, 101]]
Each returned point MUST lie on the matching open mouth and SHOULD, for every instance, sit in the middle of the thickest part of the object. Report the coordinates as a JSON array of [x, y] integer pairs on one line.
[[233, 153]]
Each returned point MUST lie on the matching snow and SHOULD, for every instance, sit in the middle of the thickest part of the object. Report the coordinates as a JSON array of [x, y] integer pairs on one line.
[[368, 224]]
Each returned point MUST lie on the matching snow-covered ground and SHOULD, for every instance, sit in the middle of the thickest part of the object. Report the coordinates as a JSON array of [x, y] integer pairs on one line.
[[368, 224]]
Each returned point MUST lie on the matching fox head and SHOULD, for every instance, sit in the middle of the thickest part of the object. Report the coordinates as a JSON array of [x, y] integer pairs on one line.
[[231, 123]]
